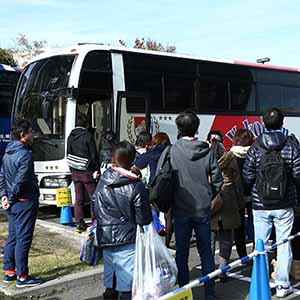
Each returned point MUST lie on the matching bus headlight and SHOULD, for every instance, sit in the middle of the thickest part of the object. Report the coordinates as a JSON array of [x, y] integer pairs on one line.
[[55, 182]]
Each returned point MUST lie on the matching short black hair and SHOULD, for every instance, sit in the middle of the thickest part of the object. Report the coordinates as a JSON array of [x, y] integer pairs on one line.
[[20, 126], [124, 152], [187, 123], [82, 120], [215, 132], [143, 139], [273, 118]]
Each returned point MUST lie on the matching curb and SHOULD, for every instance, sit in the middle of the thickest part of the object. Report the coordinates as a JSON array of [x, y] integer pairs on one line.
[[60, 288], [78, 286], [63, 230]]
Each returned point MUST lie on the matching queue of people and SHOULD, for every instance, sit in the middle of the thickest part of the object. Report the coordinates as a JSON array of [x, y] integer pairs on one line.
[[214, 189]]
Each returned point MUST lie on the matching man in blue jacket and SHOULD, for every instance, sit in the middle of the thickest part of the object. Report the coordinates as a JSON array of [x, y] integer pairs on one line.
[[19, 193], [268, 211]]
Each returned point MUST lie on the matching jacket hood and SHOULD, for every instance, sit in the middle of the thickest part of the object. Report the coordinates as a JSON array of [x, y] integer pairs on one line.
[[77, 132], [193, 150], [15, 146], [116, 177], [240, 151], [272, 140]]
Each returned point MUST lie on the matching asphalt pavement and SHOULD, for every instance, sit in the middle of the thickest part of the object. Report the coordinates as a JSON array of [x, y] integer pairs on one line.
[[235, 288]]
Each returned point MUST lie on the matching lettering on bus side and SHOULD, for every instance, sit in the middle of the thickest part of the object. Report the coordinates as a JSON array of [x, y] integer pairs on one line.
[[256, 128], [228, 125]]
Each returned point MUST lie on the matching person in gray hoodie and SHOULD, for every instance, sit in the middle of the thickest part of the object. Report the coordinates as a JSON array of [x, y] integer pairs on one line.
[[197, 180]]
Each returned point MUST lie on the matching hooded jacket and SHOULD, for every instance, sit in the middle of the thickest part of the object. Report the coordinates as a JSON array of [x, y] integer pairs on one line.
[[17, 178], [289, 149], [82, 151], [197, 177], [150, 158], [231, 193], [121, 203]]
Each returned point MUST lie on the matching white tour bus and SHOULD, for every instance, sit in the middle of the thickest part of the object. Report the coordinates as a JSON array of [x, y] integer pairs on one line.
[[130, 90]]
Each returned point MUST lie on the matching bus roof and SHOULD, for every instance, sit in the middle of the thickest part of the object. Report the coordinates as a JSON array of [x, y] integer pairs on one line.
[[90, 47]]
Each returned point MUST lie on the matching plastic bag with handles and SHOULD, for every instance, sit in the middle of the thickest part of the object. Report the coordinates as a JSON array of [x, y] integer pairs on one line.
[[155, 270]]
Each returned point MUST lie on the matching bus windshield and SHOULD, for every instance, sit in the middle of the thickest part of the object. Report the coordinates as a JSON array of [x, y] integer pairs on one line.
[[8, 82], [42, 97]]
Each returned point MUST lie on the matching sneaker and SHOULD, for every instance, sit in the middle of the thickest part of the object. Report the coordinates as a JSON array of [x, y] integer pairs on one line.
[[28, 281], [81, 227], [9, 278], [282, 292]]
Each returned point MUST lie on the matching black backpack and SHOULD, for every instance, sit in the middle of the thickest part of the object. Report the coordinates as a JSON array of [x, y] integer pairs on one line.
[[272, 178], [161, 188]]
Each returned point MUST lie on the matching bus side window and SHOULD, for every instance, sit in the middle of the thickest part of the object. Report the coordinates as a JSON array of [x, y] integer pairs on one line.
[[242, 96], [269, 95], [179, 93], [213, 95], [292, 99]]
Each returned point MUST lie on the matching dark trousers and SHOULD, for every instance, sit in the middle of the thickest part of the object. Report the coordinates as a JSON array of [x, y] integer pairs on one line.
[[183, 233], [240, 236], [225, 238], [21, 222], [83, 181]]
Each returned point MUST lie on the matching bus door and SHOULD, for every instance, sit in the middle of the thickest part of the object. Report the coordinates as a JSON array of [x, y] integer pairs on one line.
[[133, 115], [100, 119]]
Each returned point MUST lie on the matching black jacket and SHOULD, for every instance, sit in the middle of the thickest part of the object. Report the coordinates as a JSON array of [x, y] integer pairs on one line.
[[197, 177], [82, 151], [121, 202], [273, 140], [17, 178]]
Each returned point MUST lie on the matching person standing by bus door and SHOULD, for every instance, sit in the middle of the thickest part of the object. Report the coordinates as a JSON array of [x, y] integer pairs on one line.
[[83, 161], [19, 193]]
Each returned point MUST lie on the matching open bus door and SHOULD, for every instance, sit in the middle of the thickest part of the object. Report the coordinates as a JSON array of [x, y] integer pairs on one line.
[[130, 122]]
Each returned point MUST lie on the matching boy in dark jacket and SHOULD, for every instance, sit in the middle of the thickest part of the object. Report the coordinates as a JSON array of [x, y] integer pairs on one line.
[[83, 161], [19, 193], [121, 203], [281, 214]]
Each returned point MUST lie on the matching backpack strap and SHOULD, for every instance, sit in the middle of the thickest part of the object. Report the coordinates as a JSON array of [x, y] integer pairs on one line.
[[167, 155]]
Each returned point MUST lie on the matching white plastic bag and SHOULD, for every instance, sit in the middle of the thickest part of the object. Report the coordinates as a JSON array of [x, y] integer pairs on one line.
[[155, 270]]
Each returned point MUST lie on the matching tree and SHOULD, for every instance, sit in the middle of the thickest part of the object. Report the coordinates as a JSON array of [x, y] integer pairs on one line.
[[27, 50], [150, 44], [7, 57]]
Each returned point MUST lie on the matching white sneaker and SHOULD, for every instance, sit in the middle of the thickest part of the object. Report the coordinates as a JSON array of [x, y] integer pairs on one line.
[[282, 292]]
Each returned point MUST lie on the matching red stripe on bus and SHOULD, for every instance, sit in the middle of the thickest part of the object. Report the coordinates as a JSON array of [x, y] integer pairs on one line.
[[265, 66]]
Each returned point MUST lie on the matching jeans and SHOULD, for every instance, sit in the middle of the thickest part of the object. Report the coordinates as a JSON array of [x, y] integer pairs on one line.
[[283, 221], [21, 222], [83, 181], [183, 233]]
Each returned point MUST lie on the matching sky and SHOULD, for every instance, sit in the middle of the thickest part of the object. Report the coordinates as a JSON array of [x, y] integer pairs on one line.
[[225, 29]]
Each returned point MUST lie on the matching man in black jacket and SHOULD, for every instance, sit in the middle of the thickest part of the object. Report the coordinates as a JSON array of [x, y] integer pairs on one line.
[[19, 193], [83, 161], [121, 203], [280, 215], [198, 180]]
